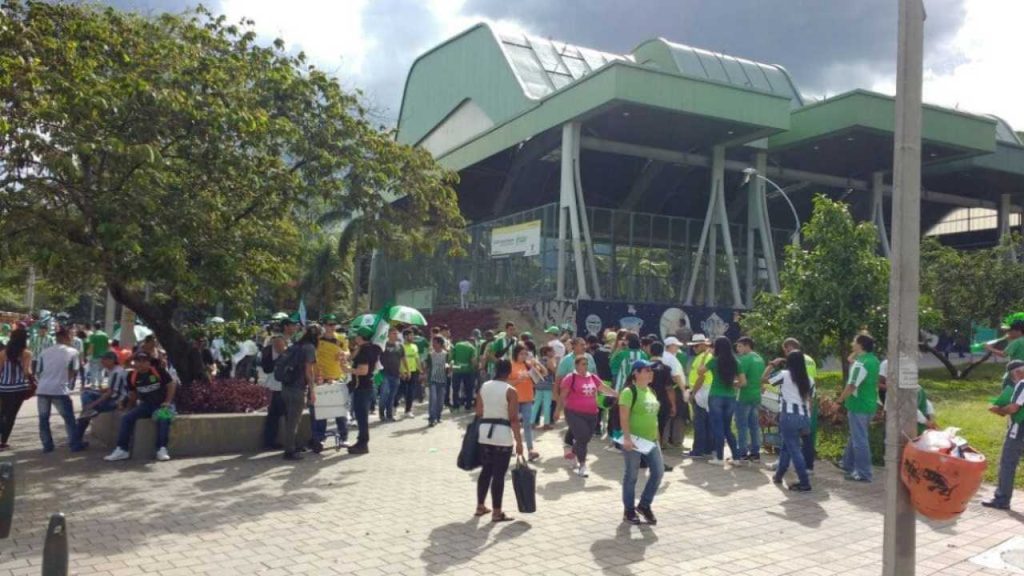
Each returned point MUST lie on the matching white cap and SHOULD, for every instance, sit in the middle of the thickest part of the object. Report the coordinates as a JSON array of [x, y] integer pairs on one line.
[[672, 341], [699, 339]]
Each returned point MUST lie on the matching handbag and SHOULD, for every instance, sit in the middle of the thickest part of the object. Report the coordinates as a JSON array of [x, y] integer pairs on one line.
[[33, 384], [469, 454], [524, 483]]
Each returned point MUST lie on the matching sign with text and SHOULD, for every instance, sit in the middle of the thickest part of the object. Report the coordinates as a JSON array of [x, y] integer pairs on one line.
[[517, 240]]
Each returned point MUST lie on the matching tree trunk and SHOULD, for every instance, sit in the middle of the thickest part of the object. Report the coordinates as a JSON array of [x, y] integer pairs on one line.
[[187, 361], [954, 372], [973, 365]]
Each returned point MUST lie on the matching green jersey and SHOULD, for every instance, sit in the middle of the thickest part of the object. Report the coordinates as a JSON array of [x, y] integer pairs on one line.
[[812, 367], [643, 415], [622, 363], [719, 387], [864, 377], [751, 366], [98, 344], [464, 357]]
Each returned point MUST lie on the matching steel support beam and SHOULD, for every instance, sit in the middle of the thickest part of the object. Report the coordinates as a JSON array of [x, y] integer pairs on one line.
[[878, 211], [569, 208], [581, 207], [716, 215]]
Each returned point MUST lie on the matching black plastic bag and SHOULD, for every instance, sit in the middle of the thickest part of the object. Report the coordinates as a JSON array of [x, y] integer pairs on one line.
[[469, 455], [524, 483]]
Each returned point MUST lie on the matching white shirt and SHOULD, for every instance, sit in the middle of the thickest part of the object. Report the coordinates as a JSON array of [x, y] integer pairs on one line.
[[494, 394], [464, 287], [670, 360], [789, 393], [558, 347], [54, 363]]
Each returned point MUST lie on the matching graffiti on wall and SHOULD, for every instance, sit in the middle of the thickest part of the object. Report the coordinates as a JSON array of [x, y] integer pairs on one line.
[[555, 313]]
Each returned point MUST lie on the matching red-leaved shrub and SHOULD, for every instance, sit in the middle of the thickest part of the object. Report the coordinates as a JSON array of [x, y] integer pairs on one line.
[[221, 396]]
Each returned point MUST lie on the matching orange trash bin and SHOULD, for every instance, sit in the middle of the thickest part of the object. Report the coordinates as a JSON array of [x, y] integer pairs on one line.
[[941, 485]]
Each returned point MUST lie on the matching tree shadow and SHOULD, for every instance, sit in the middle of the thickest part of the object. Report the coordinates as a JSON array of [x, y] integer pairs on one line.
[[617, 555]]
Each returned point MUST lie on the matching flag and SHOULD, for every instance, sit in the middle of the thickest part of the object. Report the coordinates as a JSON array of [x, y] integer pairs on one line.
[[302, 311], [380, 329]]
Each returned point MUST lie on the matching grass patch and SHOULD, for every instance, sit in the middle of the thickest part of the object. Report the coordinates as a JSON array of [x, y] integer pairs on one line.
[[959, 403]]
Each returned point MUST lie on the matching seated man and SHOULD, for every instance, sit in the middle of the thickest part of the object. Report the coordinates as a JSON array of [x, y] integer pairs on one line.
[[113, 397], [150, 388]]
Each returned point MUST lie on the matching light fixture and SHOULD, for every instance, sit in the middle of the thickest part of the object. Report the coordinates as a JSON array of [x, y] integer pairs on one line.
[[849, 138]]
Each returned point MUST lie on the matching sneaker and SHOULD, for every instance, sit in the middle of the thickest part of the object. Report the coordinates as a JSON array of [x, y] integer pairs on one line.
[[715, 461], [118, 454], [292, 456], [996, 504], [854, 477], [408, 414], [534, 456], [582, 471], [799, 487], [162, 455], [359, 449], [630, 517], [647, 513], [776, 480], [316, 447]]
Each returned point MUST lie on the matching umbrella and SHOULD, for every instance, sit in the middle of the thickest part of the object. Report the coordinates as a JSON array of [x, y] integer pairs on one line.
[[364, 321], [215, 320], [279, 316], [407, 315]]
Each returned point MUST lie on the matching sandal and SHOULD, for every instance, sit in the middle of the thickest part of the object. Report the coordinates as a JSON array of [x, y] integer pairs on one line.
[[481, 511], [503, 518]]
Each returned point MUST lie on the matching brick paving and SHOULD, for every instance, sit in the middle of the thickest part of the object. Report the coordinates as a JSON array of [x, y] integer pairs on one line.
[[406, 509]]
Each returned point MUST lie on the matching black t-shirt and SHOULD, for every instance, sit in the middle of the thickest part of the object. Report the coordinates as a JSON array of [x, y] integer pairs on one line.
[[603, 360], [391, 358], [368, 354], [662, 382], [150, 386]]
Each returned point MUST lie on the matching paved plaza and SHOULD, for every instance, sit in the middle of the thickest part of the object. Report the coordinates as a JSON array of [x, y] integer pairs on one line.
[[406, 509]]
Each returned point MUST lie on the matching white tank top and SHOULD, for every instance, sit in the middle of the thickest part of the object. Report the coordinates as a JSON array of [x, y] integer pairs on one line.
[[493, 393]]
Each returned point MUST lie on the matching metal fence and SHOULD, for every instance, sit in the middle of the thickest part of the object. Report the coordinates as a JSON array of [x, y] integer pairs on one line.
[[639, 257]]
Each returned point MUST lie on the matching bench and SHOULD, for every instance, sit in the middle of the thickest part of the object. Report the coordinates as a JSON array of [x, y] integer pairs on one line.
[[194, 434]]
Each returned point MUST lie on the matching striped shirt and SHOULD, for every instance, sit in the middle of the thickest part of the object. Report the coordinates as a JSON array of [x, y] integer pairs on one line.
[[12, 377], [38, 343], [789, 394], [118, 384], [1016, 429]]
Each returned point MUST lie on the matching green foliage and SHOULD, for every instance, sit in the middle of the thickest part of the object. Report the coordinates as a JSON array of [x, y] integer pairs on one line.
[[168, 158], [833, 286], [965, 287]]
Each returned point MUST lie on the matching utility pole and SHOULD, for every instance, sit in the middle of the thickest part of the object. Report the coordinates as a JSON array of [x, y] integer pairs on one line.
[[898, 553]]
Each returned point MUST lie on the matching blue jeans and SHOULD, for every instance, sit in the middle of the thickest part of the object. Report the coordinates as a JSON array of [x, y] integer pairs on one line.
[[857, 456], [388, 392], [791, 426], [436, 406], [720, 411], [655, 470], [701, 431], [142, 410], [318, 428], [525, 411], [67, 412], [541, 406], [96, 372], [464, 390], [748, 430], [1008, 462], [88, 397]]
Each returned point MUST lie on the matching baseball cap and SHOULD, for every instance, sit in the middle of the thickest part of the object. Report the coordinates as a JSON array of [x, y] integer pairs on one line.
[[552, 330], [672, 341], [364, 332], [329, 319], [1014, 365], [640, 365]]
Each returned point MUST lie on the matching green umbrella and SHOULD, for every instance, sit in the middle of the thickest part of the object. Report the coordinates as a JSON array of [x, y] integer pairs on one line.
[[364, 321], [407, 315], [279, 316]]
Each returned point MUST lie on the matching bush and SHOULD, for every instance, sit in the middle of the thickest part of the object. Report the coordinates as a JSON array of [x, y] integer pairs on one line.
[[222, 396]]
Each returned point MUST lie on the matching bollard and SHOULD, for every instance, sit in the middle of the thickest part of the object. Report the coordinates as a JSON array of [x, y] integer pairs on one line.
[[55, 547], [6, 498]]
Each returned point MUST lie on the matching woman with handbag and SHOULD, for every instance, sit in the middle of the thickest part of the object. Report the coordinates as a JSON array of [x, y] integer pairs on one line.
[[497, 407], [577, 394], [17, 382]]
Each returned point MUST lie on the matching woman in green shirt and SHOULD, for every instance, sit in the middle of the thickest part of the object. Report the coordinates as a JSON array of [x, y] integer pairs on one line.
[[725, 380], [638, 413]]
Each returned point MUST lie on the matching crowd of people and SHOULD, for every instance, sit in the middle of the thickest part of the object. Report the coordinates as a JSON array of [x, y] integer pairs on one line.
[[640, 394]]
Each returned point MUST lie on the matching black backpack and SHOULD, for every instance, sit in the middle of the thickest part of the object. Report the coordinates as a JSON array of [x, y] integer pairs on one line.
[[267, 359], [288, 367]]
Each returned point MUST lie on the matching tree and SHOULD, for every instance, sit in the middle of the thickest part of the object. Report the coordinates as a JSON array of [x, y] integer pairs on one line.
[[166, 158], [832, 287]]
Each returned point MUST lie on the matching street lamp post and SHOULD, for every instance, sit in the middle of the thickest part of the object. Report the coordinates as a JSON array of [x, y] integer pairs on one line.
[[752, 173]]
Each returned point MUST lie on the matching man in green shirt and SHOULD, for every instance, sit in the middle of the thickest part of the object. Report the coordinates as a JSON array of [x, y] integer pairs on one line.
[[624, 358], [1014, 349], [860, 397], [463, 358], [748, 429], [96, 345], [504, 343]]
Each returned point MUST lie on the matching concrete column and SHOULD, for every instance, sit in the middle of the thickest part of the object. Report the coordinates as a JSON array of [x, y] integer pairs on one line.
[[568, 205], [581, 207]]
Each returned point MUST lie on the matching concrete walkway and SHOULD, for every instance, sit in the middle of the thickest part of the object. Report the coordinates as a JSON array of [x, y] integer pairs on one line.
[[406, 509]]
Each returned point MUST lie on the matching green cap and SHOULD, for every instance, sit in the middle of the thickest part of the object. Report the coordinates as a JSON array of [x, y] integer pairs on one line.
[[329, 319], [552, 330], [364, 332], [526, 334]]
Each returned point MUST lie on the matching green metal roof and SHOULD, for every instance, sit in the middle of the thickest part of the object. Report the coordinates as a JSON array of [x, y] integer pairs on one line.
[[699, 63]]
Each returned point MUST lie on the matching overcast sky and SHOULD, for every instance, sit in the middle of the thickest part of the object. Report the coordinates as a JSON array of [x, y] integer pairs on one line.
[[973, 47]]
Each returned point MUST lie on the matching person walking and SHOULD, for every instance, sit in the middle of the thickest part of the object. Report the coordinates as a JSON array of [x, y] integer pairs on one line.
[[724, 370], [58, 366], [16, 380], [410, 372], [497, 407], [748, 429], [463, 375], [391, 359], [520, 378], [577, 399], [364, 365], [701, 447], [795, 394], [860, 397], [299, 389], [464, 287], [1013, 444], [543, 404], [437, 371], [638, 414]]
